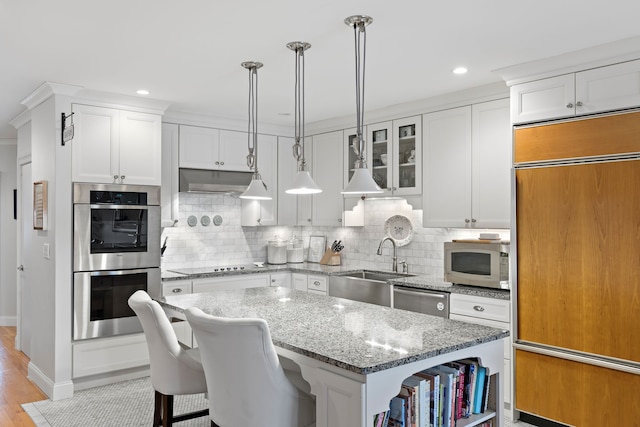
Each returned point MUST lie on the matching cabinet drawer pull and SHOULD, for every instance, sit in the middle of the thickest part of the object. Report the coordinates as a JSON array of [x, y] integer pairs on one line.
[[579, 104], [316, 282], [570, 105], [478, 308], [176, 290], [273, 280]]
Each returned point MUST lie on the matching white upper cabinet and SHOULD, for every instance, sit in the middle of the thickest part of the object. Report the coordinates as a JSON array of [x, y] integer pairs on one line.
[[292, 209], [116, 146], [599, 89], [327, 151], [394, 156], [212, 149], [264, 212], [467, 161], [169, 189], [407, 149]]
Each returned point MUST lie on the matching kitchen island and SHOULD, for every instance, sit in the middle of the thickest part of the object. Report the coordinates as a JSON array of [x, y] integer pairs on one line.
[[355, 355]]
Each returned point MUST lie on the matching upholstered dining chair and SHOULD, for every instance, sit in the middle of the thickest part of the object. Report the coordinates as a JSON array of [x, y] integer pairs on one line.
[[247, 384], [174, 369]]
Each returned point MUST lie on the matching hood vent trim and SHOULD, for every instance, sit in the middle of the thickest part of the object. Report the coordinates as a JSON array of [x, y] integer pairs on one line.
[[213, 181]]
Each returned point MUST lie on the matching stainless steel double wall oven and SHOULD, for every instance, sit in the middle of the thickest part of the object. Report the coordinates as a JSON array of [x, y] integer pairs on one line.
[[116, 251]]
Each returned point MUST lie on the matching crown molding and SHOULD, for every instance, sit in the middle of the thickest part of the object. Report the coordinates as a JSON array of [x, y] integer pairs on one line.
[[47, 90], [120, 101], [220, 122], [21, 119], [571, 62]]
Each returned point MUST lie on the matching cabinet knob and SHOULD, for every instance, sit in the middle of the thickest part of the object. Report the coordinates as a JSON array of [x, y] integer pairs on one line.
[[221, 163], [258, 220], [122, 177], [115, 177], [273, 280], [339, 219], [217, 163], [308, 219], [316, 283], [473, 220], [570, 105], [467, 221], [388, 188], [176, 290], [579, 104], [478, 308]]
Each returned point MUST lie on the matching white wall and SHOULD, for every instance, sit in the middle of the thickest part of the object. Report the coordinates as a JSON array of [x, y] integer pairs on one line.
[[8, 229], [232, 244]]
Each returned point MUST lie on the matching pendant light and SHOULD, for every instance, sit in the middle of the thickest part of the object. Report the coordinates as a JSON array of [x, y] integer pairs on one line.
[[303, 183], [257, 189], [361, 182]]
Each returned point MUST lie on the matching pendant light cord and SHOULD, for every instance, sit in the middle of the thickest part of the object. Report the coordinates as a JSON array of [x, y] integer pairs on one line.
[[298, 146], [252, 129], [360, 36]]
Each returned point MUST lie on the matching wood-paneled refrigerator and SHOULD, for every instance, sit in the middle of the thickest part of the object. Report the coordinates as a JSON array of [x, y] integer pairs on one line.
[[577, 233]]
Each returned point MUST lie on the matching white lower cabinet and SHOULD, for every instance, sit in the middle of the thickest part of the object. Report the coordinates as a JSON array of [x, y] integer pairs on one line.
[[100, 356], [299, 281], [313, 283], [317, 284], [281, 279], [180, 327], [242, 281], [488, 312]]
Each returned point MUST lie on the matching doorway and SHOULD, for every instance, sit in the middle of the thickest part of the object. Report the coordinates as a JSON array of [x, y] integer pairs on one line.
[[25, 244]]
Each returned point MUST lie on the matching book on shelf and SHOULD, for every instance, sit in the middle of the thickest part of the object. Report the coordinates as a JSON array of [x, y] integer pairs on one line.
[[470, 383], [397, 412], [485, 397], [455, 393], [434, 397], [478, 402], [447, 384], [420, 401], [407, 395], [460, 396]]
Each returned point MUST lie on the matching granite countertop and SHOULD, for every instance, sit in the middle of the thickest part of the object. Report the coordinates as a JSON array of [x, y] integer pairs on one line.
[[359, 337], [417, 281]]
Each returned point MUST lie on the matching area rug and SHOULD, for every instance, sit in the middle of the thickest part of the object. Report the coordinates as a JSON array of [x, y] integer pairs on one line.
[[122, 404]]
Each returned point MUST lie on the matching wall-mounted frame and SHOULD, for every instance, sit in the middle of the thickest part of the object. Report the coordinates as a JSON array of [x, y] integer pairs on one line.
[[317, 246], [40, 205]]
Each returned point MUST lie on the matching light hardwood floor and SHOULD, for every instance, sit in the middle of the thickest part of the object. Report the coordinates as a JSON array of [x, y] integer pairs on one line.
[[15, 388]]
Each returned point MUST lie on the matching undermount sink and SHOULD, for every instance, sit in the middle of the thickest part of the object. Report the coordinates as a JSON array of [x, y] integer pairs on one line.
[[378, 276], [366, 286]]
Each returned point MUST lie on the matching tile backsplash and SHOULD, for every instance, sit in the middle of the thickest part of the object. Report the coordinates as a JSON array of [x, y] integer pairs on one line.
[[231, 244]]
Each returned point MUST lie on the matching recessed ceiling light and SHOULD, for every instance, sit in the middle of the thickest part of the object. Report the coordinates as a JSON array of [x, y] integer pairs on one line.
[[142, 92], [459, 70]]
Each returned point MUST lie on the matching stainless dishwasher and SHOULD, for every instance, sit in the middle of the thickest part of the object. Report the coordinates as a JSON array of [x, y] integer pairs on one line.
[[421, 301]]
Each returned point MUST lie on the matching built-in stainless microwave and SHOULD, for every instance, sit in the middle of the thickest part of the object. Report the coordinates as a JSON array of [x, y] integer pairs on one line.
[[477, 263]]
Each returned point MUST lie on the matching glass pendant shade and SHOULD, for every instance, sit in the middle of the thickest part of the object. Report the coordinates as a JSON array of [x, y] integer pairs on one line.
[[257, 190], [361, 183], [304, 184]]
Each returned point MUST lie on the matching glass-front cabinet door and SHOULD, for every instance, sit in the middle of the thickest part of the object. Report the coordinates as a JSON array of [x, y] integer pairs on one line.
[[380, 139], [407, 155]]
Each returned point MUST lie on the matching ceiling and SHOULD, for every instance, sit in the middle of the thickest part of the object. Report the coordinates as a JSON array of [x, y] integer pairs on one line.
[[189, 53]]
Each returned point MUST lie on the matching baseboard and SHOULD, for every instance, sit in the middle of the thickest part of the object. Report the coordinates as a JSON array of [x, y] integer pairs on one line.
[[111, 377], [55, 391], [8, 321]]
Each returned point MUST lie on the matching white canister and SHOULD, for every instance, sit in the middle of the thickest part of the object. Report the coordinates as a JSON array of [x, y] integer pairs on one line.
[[277, 252], [295, 251]]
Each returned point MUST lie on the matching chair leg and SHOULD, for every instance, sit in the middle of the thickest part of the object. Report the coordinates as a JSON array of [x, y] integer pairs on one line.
[[167, 410], [157, 409]]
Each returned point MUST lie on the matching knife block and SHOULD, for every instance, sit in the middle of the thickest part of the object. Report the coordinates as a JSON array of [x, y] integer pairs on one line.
[[330, 258]]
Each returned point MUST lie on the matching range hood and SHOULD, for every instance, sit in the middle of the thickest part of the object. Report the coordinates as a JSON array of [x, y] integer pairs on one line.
[[210, 181]]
